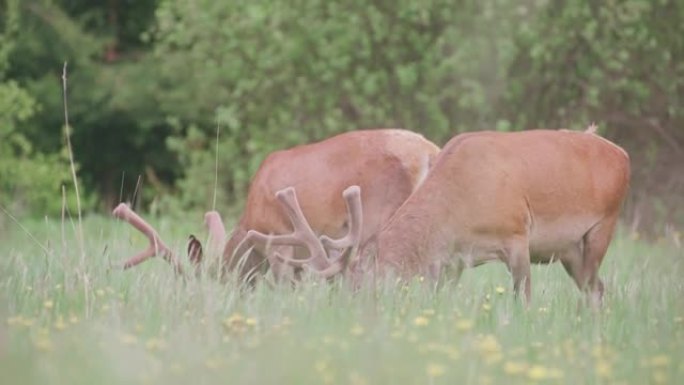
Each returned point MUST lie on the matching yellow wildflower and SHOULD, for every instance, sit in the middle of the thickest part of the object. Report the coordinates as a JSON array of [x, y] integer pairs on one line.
[[464, 325], [603, 368], [60, 324], [128, 339], [48, 304], [660, 377], [421, 321], [514, 367], [12, 321], [155, 344], [251, 321], [489, 349], [486, 306], [328, 340], [660, 361], [321, 365], [356, 330], [435, 370], [537, 372], [555, 373], [212, 363], [500, 290], [43, 344], [357, 379], [27, 322], [235, 323]]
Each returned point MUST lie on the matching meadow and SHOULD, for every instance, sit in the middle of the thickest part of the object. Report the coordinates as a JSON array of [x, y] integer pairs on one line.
[[70, 316]]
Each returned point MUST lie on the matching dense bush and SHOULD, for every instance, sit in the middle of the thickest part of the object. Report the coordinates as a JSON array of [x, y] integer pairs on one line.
[[273, 75], [29, 180], [153, 81], [621, 64]]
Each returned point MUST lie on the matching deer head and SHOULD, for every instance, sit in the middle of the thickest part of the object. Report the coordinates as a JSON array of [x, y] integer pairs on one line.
[[386, 164]]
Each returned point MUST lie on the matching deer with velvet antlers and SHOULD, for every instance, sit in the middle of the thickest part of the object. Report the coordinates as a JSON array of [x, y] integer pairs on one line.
[[534, 196], [384, 166]]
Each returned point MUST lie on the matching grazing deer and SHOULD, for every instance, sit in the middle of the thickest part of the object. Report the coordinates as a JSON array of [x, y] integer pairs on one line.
[[533, 196], [387, 165]]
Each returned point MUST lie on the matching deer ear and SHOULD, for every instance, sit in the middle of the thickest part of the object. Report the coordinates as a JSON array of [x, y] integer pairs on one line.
[[194, 250]]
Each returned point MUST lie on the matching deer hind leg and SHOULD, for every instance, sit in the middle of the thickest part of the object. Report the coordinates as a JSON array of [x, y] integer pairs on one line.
[[596, 242], [517, 258], [572, 260]]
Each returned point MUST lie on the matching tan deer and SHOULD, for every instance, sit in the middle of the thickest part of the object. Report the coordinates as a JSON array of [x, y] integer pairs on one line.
[[387, 165], [534, 196]]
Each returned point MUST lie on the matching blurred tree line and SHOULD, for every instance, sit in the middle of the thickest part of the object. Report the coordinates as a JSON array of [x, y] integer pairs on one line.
[[151, 82]]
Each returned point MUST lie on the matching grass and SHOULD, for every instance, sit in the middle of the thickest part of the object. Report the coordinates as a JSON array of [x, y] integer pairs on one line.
[[64, 322]]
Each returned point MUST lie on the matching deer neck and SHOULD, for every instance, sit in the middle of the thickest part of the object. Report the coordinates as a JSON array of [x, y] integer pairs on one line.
[[406, 243]]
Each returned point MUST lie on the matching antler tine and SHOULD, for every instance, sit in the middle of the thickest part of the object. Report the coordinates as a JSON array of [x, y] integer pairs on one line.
[[302, 234], [352, 197], [156, 247], [322, 265], [350, 242], [216, 230]]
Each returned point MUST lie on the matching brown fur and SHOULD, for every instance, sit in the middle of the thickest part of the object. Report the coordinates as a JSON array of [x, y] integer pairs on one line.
[[386, 163], [522, 197]]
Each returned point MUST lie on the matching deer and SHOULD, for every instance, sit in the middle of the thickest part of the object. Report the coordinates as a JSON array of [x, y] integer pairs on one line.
[[535, 196], [385, 165]]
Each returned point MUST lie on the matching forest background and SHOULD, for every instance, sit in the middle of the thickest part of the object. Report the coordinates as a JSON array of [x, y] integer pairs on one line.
[[151, 82]]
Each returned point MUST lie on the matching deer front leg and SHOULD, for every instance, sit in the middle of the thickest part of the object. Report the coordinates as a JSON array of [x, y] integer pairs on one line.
[[518, 261]]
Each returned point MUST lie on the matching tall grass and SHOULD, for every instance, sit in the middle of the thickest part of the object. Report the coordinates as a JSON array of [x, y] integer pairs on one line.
[[106, 326]]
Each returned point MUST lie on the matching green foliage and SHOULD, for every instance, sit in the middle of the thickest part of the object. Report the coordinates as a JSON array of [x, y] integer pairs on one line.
[[621, 60], [620, 63], [30, 181], [276, 75], [115, 132]]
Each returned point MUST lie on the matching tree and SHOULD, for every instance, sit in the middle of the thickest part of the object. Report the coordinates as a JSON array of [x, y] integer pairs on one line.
[[30, 181], [273, 74], [118, 133]]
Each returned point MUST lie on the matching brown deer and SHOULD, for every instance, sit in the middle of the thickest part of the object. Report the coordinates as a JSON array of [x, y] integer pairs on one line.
[[387, 165], [534, 196]]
